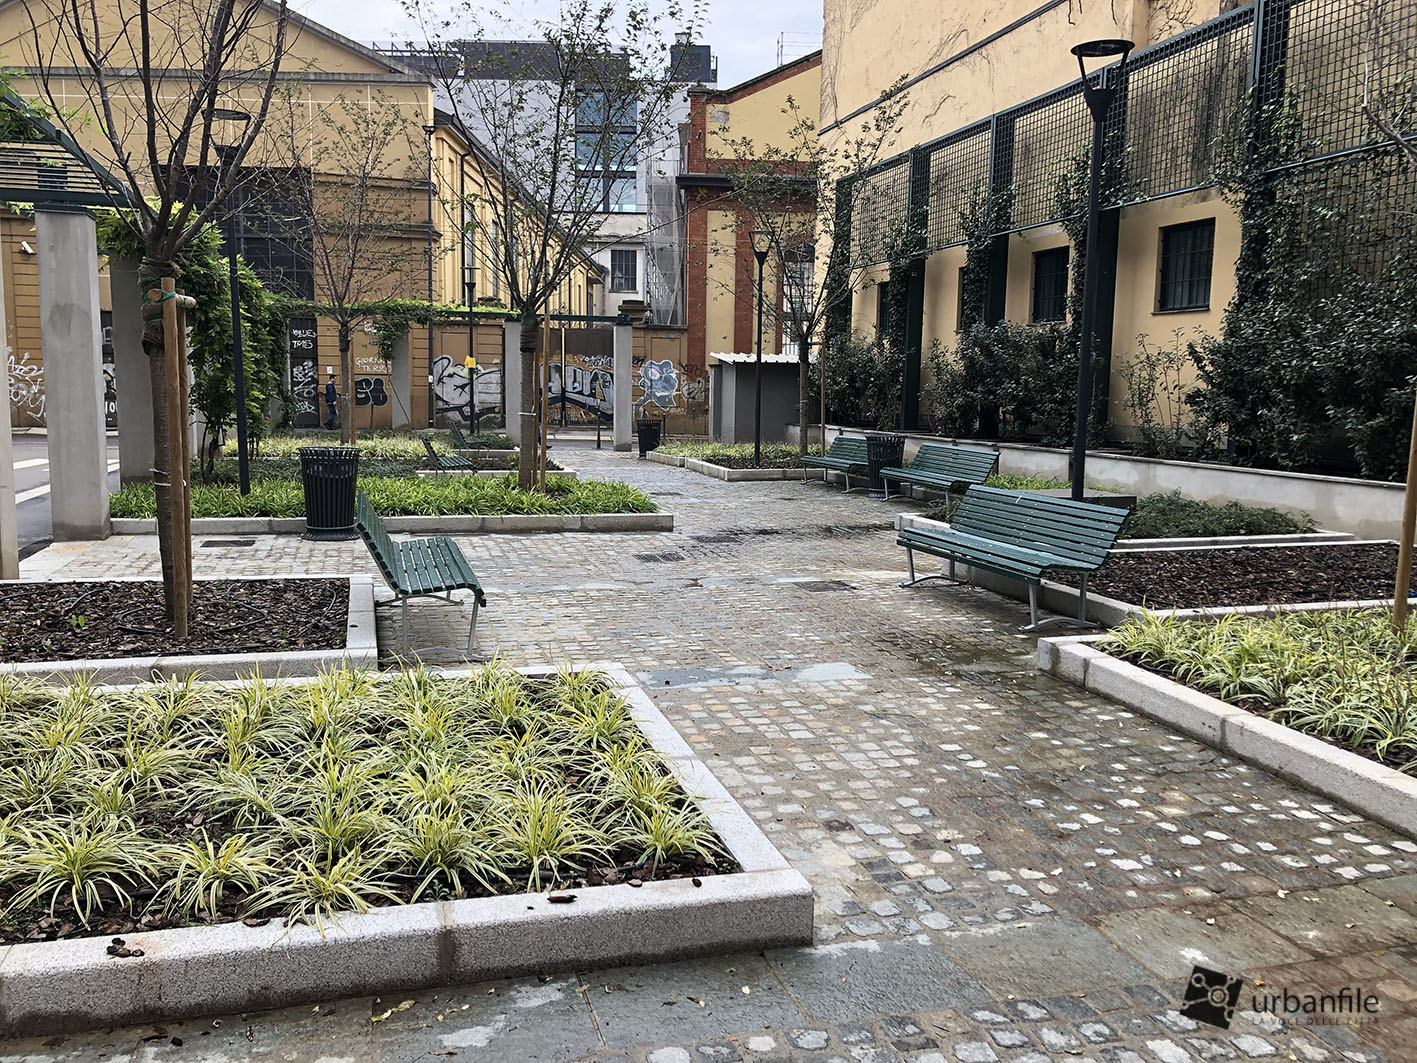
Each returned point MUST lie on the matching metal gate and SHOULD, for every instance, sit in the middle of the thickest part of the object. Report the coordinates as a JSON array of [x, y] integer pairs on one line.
[[581, 383]]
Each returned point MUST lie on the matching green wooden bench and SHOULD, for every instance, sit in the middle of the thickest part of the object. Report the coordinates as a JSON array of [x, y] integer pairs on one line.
[[1020, 535], [432, 567], [943, 466], [461, 442], [845, 453], [446, 462]]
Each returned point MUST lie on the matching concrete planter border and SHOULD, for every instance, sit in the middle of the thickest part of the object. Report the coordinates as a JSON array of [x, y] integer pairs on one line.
[[513, 524], [1061, 599], [475, 453], [360, 651], [723, 472], [666, 459], [1367, 508], [1378, 792], [65, 985]]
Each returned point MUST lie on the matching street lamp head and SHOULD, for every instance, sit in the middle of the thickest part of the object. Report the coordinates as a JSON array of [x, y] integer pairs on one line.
[[229, 114], [762, 244], [1108, 48]]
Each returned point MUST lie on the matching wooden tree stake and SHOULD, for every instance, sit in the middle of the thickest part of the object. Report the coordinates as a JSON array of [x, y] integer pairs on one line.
[[1409, 529]]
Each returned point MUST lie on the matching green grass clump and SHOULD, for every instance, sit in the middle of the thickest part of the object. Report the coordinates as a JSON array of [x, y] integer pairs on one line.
[[376, 444], [740, 455], [186, 802], [394, 496], [1173, 516], [1345, 677]]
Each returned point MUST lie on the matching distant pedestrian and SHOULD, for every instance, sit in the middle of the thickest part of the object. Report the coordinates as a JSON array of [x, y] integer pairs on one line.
[[331, 400]]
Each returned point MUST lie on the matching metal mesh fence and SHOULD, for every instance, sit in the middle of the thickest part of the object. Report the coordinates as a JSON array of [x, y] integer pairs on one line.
[[959, 171], [1179, 99], [1180, 103], [879, 206], [1050, 136]]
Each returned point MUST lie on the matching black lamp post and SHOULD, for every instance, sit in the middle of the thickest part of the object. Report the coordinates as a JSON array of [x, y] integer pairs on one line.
[[227, 154], [762, 243], [1099, 99], [470, 293]]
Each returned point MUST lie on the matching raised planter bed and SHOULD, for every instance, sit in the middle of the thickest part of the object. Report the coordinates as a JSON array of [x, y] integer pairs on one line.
[[487, 453], [356, 646], [1368, 787], [73, 983], [512, 524]]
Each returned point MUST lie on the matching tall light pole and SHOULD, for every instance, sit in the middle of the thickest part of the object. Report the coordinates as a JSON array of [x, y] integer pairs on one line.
[[227, 154], [1099, 100], [762, 243]]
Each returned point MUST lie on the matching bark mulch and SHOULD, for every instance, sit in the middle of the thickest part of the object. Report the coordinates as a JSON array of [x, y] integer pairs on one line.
[[73, 621], [1254, 575]]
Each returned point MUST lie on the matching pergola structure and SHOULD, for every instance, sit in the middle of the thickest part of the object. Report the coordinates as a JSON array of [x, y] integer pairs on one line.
[[41, 165]]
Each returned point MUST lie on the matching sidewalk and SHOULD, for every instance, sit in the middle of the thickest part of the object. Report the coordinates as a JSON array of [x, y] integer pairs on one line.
[[1006, 868]]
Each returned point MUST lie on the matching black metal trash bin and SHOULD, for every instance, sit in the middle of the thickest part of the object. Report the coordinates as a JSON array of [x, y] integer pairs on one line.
[[329, 475], [884, 450], [650, 433]]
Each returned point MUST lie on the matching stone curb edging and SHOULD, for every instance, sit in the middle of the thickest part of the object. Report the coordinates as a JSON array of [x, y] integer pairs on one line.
[[1376, 791], [360, 650], [475, 453], [723, 472], [65, 985], [666, 459], [513, 524]]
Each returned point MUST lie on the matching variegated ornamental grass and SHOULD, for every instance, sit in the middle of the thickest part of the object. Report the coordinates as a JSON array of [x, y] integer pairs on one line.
[[1346, 677], [183, 802]]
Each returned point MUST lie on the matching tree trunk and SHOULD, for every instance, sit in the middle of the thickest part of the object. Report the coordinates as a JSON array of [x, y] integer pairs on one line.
[[154, 347], [804, 395], [346, 371], [526, 428]]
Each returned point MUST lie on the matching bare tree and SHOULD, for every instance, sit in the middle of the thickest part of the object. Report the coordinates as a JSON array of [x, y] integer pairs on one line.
[[1390, 75], [355, 170], [560, 114], [151, 78], [790, 191]]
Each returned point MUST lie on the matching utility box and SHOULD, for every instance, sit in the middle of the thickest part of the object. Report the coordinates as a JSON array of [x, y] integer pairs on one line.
[[732, 386]]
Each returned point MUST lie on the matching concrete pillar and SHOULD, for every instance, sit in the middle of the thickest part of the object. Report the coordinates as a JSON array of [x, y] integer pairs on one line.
[[623, 389], [401, 383], [512, 378], [131, 376], [73, 374], [9, 534]]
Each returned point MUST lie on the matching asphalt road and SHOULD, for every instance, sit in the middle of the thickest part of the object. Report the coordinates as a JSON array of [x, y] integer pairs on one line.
[[32, 487]]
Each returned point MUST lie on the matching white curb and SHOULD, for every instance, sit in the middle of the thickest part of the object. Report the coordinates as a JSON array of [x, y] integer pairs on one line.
[[515, 523], [71, 984], [1379, 792]]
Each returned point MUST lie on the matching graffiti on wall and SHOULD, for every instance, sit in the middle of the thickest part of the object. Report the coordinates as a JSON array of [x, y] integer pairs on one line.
[[303, 342], [26, 387], [589, 390], [370, 391], [660, 383], [452, 388]]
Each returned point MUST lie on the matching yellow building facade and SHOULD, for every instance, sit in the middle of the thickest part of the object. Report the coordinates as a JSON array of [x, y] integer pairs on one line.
[[993, 108], [427, 174]]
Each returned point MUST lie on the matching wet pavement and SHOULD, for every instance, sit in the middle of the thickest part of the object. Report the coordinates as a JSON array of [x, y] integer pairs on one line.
[[1006, 868]]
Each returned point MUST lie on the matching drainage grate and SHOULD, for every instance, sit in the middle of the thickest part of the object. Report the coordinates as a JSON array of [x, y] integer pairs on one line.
[[229, 542], [658, 558], [817, 586]]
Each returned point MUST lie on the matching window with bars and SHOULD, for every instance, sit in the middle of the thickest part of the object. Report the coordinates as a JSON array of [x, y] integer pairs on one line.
[[1187, 252], [1050, 285], [623, 270]]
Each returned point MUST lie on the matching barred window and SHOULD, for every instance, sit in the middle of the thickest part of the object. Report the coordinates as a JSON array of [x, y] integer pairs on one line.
[[1050, 285], [623, 270], [1187, 252]]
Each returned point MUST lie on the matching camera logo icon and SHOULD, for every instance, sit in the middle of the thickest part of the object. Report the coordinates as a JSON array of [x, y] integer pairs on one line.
[[1211, 997]]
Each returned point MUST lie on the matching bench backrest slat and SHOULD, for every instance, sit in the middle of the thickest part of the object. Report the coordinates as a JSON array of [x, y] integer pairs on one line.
[[433, 455], [1079, 532], [459, 440], [848, 448], [376, 538], [955, 463]]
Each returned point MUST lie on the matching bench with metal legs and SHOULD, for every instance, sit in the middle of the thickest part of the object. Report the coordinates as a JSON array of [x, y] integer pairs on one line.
[[431, 567], [1020, 535]]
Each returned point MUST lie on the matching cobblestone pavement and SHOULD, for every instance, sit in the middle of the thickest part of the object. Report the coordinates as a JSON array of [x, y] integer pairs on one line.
[[1006, 869]]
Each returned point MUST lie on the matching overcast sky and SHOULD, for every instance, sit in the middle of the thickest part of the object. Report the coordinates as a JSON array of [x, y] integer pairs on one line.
[[742, 33]]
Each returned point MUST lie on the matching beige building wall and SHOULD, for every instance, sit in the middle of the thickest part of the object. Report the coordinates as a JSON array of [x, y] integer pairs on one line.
[[721, 282]]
